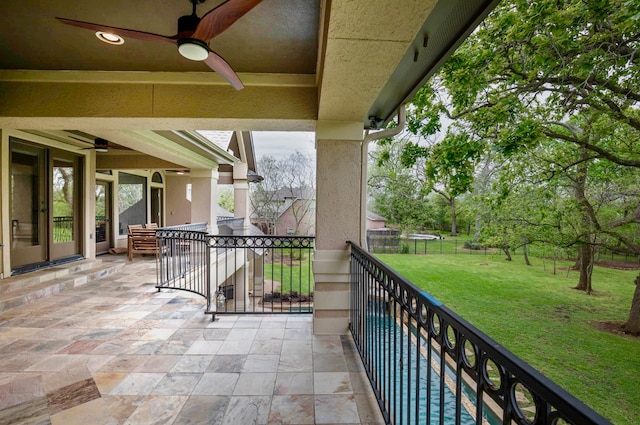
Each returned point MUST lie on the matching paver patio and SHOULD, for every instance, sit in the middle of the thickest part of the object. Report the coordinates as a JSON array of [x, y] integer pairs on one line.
[[117, 351]]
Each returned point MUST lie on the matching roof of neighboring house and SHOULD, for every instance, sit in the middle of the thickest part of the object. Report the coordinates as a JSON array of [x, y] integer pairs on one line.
[[295, 193], [306, 195], [222, 213], [287, 196], [375, 217]]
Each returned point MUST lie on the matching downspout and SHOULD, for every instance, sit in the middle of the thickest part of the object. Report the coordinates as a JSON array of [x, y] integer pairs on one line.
[[364, 156]]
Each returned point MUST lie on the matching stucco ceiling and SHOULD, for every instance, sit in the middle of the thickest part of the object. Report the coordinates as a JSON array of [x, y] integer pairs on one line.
[[301, 61], [277, 36]]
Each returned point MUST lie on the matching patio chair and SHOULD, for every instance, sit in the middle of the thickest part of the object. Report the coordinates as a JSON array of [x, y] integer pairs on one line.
[[141, 241]]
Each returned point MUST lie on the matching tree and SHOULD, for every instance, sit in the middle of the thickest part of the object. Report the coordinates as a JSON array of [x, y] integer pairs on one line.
[[263, 195], [449, 160], [287, 183], [225, 198], [299, 188], [62, 191], [562, 71], [395, 189]]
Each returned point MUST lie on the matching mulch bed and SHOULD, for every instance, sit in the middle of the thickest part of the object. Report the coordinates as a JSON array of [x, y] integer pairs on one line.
[[614, 328], [621, 265]]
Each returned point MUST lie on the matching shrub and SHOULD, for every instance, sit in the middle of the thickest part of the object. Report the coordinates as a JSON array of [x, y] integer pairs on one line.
[[473, 245]]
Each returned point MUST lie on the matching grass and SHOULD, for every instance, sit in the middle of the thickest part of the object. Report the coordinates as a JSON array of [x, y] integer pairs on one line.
[[536, 315], [292, 268]]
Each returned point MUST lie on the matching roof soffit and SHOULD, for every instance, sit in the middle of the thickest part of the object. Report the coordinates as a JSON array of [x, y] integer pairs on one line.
[[365, 41]]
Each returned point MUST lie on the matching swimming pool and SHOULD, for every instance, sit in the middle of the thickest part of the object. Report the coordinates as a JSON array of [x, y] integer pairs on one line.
[[408, 378]]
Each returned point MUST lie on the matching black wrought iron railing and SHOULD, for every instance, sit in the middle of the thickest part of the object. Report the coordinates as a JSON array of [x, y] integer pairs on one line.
[[429, 366], [238, 274], [62, 229], [181, 261]]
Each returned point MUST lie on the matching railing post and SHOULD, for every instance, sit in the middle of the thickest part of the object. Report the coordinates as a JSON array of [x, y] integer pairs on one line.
[[207, 249]]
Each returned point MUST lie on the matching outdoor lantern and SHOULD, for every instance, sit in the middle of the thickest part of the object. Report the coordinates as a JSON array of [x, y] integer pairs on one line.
[[220, 299]]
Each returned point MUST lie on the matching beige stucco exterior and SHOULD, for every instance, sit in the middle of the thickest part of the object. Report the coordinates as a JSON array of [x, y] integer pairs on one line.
[[362, 45], [338, 220]]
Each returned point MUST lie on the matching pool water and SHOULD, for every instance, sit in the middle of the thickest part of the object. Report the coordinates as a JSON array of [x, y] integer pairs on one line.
[[408, 403]]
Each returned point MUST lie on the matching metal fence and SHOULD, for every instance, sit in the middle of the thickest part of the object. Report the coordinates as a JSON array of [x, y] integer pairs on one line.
[[428, 365], [403, 245], [238, 274], [416, 246]]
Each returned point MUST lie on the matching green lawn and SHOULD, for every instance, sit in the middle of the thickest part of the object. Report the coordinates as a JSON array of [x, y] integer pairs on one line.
[[536, 315], [294, 273]]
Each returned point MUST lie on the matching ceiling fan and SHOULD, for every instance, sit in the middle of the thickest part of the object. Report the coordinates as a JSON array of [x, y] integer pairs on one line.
[[101, 145], [193, 36]]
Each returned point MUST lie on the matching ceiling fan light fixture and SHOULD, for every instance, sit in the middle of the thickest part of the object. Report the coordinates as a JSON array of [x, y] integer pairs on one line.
[[101, 145], [193, 49], [109, 38]]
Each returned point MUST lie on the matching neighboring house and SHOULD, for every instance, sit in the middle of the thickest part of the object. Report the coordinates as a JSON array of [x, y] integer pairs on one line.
[[378, 235], [293, 213], [375, 221]]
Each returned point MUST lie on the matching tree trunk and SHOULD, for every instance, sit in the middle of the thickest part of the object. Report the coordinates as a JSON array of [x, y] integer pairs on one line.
[[526, 255], [67, 179], [507, 253], [478, 226], [633, 322], [586, 252], [585, 266], [454, 226]]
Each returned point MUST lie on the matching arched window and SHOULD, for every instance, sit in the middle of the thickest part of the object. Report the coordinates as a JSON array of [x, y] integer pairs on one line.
[[156, 178]]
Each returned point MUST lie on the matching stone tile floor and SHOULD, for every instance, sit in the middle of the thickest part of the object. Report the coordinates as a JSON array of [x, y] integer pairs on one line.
[[117, 351]]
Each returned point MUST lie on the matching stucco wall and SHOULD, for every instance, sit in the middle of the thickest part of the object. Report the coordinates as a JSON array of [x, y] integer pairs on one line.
[[178, 206]]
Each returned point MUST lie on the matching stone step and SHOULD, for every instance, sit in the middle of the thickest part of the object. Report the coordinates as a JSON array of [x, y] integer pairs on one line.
[[20, 282], [31, 288]]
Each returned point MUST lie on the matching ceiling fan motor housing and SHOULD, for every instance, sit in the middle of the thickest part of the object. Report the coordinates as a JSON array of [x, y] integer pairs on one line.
[[187, 24]]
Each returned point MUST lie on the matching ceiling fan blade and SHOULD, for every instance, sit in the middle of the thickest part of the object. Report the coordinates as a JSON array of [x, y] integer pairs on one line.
[[125, 33], [222, 17], [221, 66]]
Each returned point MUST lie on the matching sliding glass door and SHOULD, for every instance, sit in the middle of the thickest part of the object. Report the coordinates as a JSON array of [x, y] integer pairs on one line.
[[103, 217], [45, 200], [29, 209], [65, 202]]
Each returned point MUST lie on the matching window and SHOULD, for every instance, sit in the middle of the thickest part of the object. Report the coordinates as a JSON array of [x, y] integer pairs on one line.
[[63, 197], [132, 200]]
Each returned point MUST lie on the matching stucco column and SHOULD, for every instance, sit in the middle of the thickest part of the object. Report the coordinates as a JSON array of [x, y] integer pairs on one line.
[[5, 216], [338, 220], [241, 193], [204, 197], [89, 187]]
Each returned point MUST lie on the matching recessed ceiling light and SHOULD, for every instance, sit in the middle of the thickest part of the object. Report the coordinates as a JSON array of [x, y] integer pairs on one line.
[[109, 37]]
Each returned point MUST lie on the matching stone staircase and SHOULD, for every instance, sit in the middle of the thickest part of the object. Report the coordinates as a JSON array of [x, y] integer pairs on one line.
[[26, 288]]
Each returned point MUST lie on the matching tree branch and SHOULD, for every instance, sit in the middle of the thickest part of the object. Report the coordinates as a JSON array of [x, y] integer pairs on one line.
[[601, 152]]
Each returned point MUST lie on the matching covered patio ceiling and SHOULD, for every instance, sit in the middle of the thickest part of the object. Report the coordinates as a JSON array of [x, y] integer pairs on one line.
[[300, 61]]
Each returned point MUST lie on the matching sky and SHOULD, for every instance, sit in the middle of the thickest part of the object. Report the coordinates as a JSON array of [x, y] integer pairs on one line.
[[281, 144]]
